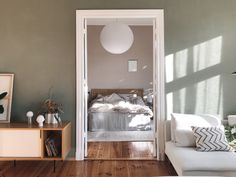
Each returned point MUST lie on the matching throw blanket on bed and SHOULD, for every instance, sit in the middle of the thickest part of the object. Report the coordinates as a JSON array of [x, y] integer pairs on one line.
[[120, 103]]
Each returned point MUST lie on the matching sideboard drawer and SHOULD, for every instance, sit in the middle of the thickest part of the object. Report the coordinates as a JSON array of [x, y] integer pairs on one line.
[[20, 143]]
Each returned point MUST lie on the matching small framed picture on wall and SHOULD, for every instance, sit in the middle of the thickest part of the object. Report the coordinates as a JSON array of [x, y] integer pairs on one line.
[[133, 65], [6, 91]]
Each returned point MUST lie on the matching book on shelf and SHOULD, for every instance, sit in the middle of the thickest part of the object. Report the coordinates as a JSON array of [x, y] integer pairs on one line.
[[51, 148], [49, 153]]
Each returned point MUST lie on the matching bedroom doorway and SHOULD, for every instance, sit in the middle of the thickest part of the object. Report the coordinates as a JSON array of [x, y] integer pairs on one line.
[[123, 131], [82, 19]]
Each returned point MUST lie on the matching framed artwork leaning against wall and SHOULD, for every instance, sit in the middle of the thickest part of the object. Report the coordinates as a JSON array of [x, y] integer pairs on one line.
[[6, 92]]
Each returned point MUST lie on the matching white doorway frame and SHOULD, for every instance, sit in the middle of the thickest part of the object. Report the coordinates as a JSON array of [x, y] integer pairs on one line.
[[158, 70]]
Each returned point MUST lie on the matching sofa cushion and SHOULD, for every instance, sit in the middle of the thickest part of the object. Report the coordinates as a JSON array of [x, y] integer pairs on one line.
[[210, 139], [181, 131], [186, 159]]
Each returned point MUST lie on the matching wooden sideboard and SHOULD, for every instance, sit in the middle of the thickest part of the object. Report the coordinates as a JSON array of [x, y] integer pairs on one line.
[[20, 141]]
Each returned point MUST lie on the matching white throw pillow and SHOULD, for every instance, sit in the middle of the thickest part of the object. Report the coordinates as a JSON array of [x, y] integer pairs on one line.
[[181, 124]]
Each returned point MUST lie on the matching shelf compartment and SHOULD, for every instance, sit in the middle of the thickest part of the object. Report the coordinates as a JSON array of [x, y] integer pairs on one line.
[[52, 144]]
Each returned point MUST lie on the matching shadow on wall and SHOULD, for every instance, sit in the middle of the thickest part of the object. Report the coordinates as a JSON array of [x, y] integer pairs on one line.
[[193, 79]]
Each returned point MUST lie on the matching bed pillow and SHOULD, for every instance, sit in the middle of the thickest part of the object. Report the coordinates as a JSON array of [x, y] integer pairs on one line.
[[211, 139], [126, 96], [132, 98], [99, 98], [181, 124], [113, 98]]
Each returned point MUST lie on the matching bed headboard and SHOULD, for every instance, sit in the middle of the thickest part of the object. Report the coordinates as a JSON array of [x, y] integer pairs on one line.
[[104, 92]]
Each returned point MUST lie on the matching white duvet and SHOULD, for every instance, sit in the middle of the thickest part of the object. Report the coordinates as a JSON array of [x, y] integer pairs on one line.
[[117, 103]]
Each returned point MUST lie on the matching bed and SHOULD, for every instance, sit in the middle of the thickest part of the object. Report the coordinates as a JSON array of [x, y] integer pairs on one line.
[[118, 110]]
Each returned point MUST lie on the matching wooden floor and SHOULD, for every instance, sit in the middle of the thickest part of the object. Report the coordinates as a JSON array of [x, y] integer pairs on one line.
[[87, 168], [120, 150]]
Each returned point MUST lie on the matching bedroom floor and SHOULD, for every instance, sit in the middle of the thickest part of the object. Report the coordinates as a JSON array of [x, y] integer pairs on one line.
[[120, 150]]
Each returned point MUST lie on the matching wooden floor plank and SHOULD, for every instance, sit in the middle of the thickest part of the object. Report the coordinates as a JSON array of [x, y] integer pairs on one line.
[[121, 168], [47, 170], [126, 152], [120, 150], [105, 168], [64, 170], [92, 169], [92, 149], [89, 168], [101, 153], [4, 166], [34, 169]]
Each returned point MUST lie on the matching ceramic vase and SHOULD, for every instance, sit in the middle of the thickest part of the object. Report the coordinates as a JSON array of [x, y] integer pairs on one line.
[[50, 118]]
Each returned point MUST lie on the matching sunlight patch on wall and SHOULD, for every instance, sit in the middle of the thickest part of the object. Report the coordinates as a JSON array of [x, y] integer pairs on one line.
[[176, 65], [209, 96], [176, 102], [169, 105], [207, 54], [190, 96], [169, 68], [180, 63], [205, 97], [193, 59]]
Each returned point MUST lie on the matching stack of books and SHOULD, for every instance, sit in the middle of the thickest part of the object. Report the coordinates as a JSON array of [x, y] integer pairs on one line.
[[51, 148]]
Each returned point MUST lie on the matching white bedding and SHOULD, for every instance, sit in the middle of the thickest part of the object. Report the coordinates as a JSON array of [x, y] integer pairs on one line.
[[115, 103], [119, 113], [115, 121]]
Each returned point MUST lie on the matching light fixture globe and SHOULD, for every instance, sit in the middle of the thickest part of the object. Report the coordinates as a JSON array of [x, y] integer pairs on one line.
[[116, 38]]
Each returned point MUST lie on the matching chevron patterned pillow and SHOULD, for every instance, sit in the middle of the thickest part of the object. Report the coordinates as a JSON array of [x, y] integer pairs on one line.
[[211, 139]]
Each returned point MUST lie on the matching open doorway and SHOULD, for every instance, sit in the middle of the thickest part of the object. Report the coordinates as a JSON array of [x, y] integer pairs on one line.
[[120, 115], [155, 18]]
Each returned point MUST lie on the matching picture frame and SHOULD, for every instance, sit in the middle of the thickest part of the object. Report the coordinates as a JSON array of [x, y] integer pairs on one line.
[[132, 65], [6, 93]]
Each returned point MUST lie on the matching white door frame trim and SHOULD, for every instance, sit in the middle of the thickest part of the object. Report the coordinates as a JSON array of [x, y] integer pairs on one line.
[[158, 75]]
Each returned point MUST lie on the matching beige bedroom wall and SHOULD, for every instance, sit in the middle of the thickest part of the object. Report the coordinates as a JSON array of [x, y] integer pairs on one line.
[[106, 70]]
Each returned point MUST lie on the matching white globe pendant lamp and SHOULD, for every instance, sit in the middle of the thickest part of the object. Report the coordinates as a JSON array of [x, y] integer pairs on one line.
[[116, 38]]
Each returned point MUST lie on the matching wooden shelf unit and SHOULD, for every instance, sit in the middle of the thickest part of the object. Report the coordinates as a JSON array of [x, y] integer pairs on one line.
[[20, 141]]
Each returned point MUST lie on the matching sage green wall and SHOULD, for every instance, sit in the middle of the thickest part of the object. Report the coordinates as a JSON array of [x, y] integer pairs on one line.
[[37, 43]]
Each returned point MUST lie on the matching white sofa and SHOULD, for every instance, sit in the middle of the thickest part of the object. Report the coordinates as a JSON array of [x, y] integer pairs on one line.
[[189, 162]]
